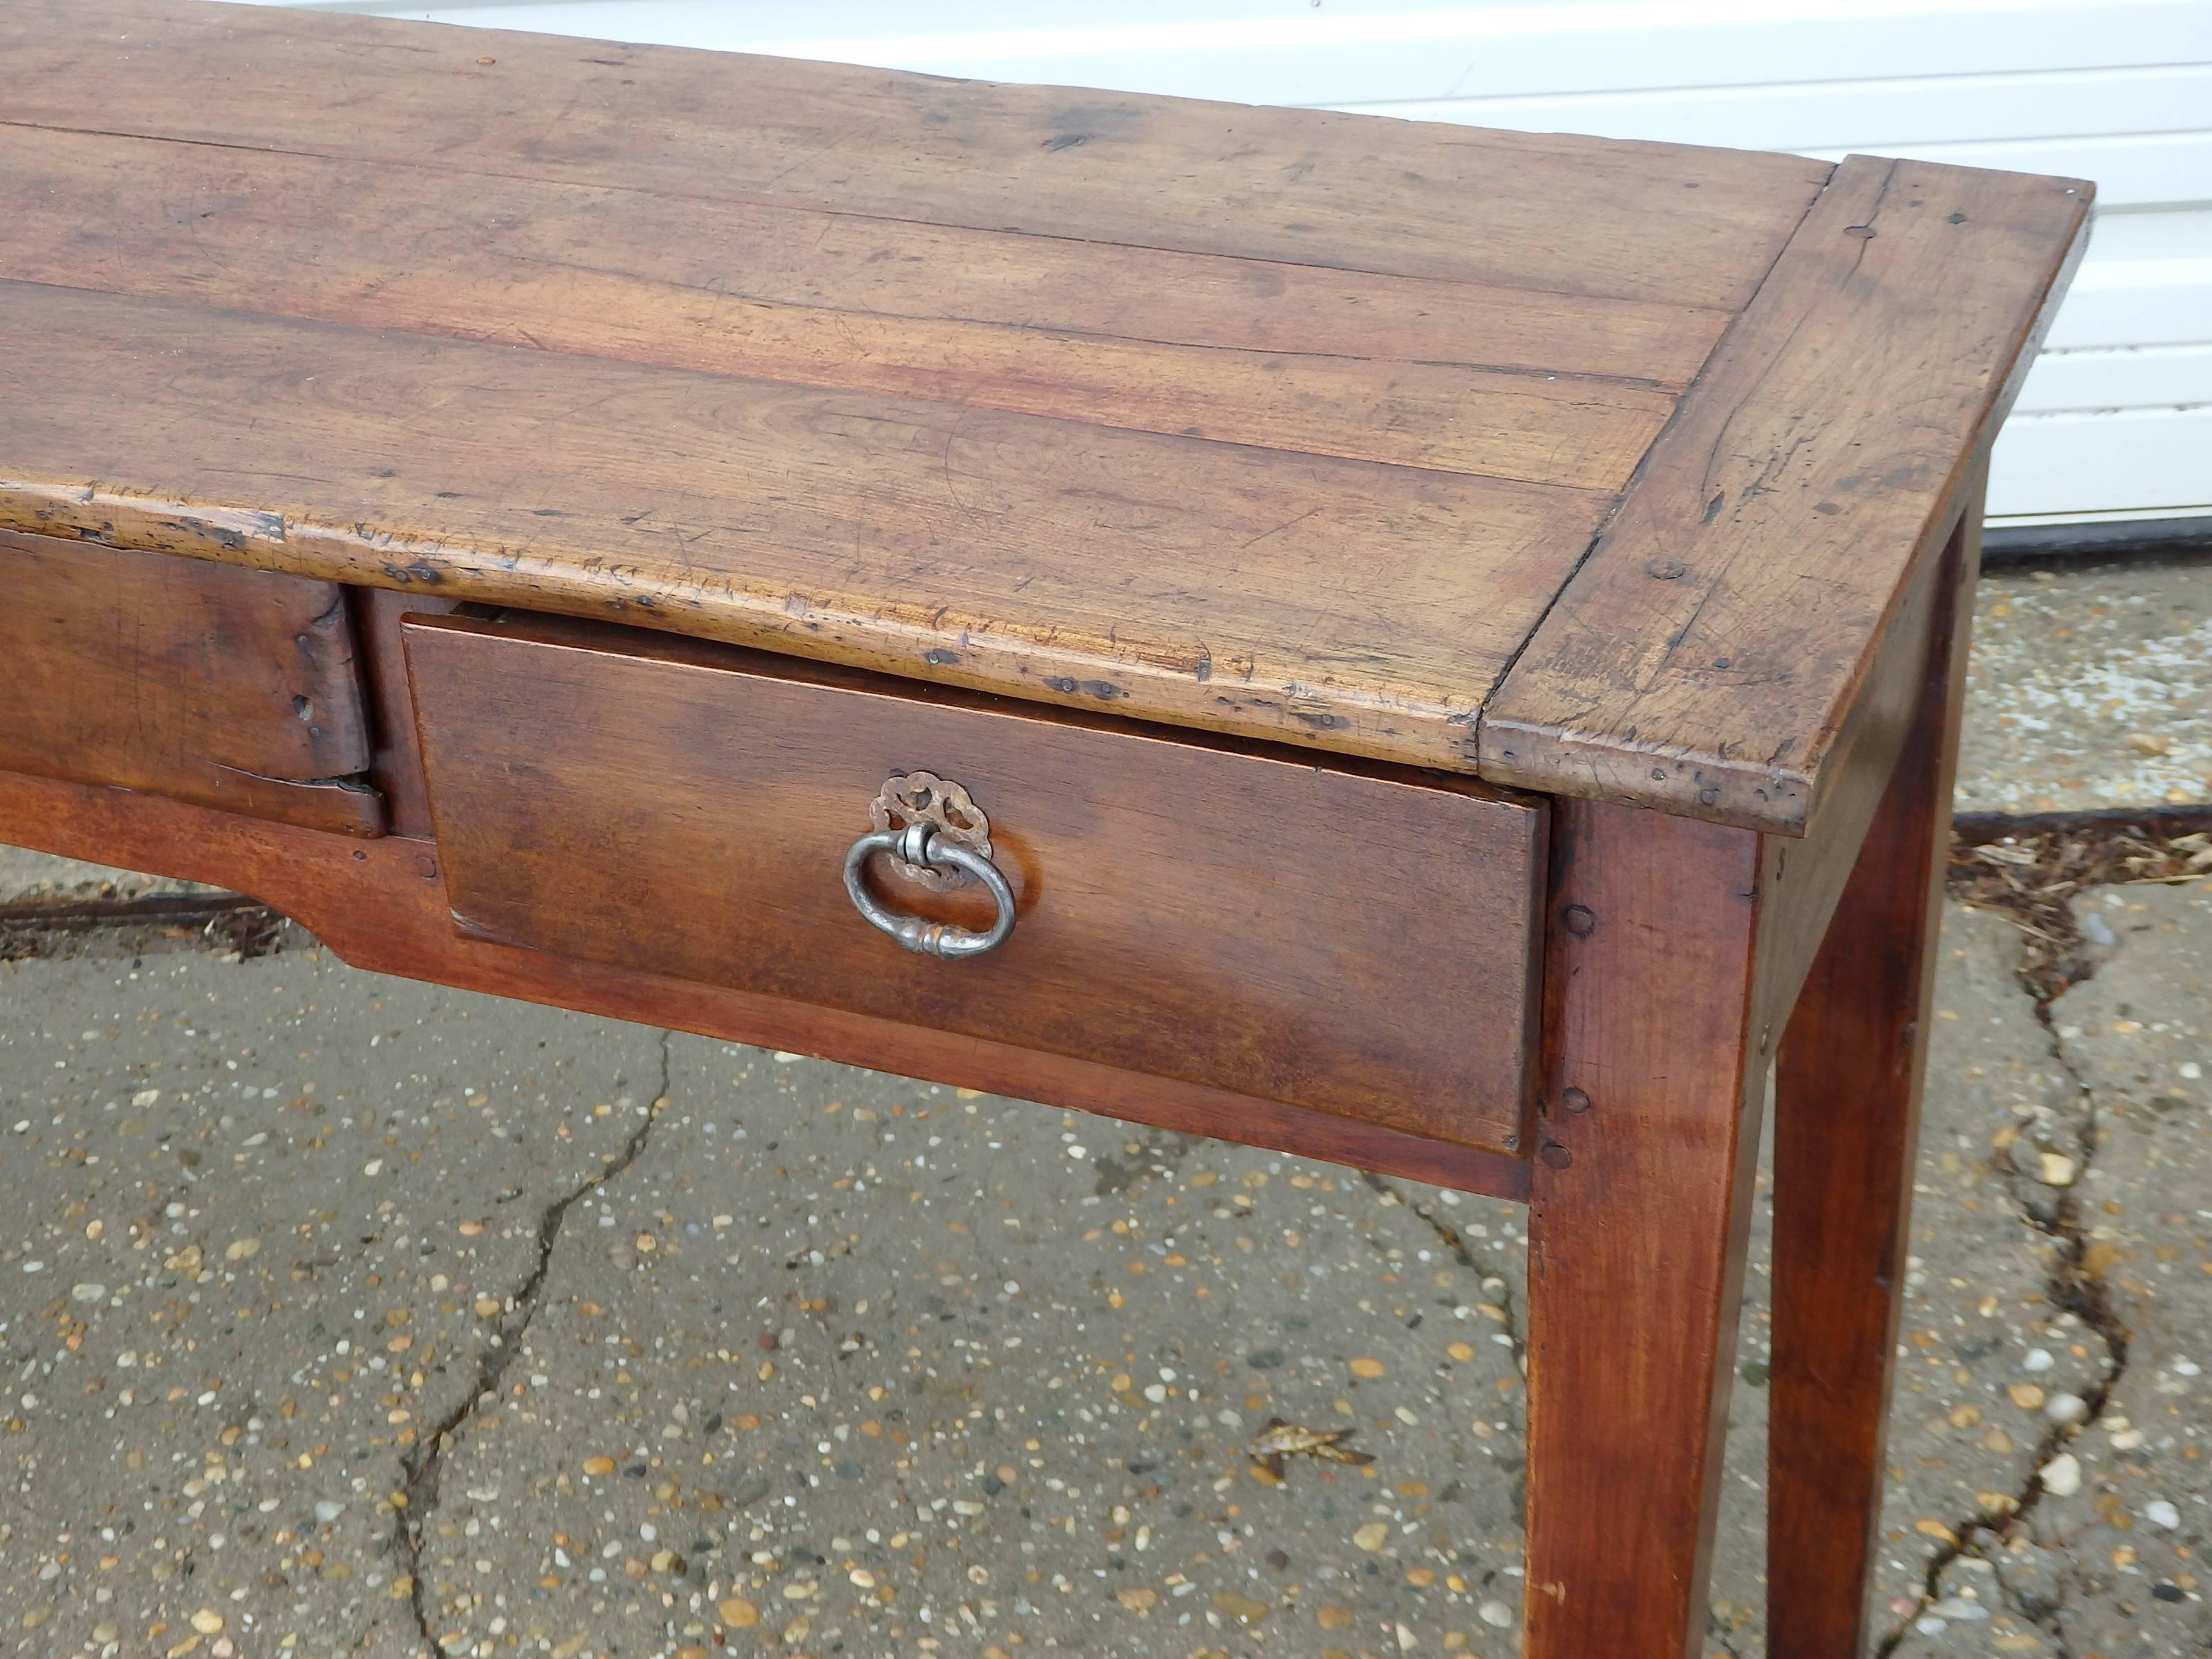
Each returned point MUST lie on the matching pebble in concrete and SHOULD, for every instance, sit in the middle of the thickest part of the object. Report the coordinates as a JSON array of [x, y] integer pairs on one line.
[[1983, 1353], [265, 1220], [828, 1351], [2107, 1556], [2090, 689], [1987, 1365], [2118, 1561], [36, 877], [847, 1363]]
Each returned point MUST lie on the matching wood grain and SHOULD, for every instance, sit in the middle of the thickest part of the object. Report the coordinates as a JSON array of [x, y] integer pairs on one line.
[[395, 764], [1704, 657], [1356, 942], [1666, 223], [1358, 608], [1808, 875], [1640, 1206], [382, 905], [1288, 424], [1847, 1119], [231, 688], [1549, 388]]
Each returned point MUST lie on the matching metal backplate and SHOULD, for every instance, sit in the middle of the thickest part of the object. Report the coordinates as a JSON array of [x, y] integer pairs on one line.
[[924, 797]]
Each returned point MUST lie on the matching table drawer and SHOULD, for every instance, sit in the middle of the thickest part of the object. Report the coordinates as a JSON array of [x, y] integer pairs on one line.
[[207, 683], [1351, 938]]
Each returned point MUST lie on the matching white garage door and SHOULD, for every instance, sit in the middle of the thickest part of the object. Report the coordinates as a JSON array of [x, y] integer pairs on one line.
[[2116, 419]]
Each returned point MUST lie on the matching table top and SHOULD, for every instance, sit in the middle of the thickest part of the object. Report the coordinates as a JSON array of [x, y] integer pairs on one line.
[[1590, 467]]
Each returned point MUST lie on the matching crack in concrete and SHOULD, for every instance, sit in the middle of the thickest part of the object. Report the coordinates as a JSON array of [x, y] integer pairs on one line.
[[425, 1466], [1455, 1241], [2043, 1616], [2071, 1289]]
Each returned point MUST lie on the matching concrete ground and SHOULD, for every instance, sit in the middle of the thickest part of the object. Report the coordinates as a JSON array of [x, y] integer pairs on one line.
[[33, 876], [344, 1315], [2090, 689]]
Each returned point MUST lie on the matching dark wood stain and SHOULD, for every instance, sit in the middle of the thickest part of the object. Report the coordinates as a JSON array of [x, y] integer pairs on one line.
[[1847, 1129], [917, 423], [1639, 1220], [1816, 464], [1245, 921], [382, 905], [232, 688]]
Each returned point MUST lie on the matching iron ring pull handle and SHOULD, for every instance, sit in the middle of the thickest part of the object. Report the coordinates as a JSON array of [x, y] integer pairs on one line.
[[920, 843]]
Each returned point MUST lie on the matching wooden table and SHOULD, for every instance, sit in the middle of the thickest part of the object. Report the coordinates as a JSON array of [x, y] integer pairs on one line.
[[1427, 627]]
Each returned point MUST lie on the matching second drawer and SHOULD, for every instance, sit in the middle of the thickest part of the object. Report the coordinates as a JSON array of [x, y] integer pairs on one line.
[[1350, 939]]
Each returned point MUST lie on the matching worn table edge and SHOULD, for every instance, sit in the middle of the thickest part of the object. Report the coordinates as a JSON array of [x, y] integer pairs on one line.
[[1407, 731], [382, 906], [1532, 742]]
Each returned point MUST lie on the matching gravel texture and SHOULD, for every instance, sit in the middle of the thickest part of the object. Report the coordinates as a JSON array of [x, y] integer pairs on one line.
[[342, 1317], [371, 1319], [38, 878], [2105, 1553], [2117, 1565], [265, 1220], [861, 1361], [2090, 689]]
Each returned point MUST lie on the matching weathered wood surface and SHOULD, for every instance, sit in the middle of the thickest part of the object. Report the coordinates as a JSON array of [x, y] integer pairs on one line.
[[1290, 424], [1515, 383], [1352, 606], [1706, 655], [382, 905], [1668, 223], [232, 688], [1354, 941]]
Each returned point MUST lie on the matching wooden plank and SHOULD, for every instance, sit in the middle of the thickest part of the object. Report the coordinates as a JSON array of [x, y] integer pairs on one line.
[[1546, 388], [1356, 942], [1637, 222], [1847, 1096], [2145, 168], [230, 688], [1809, 873], [1639, 1218], [1704, 657], [1358, 608], [382, 905], [396, 764]]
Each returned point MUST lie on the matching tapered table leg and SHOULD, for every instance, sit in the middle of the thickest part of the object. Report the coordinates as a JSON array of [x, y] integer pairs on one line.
[[1846, 1122], [1653, 1081]]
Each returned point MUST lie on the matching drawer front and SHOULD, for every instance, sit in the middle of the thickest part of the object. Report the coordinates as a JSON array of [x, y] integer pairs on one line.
[[1345, 938], [211, 684]]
